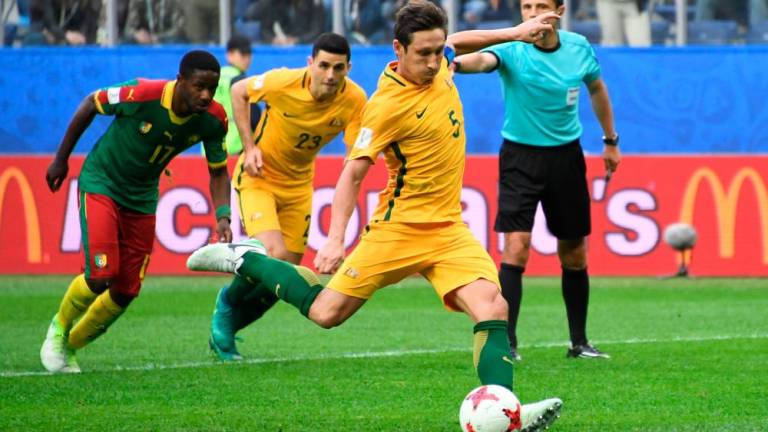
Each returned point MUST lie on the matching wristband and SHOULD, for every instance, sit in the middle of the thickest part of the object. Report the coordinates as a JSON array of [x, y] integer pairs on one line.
[[223, 211], [613, 142]]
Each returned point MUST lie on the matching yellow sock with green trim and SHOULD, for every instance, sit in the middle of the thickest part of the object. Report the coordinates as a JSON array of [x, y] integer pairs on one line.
[[75, 302], [102, 313], [491, 353]]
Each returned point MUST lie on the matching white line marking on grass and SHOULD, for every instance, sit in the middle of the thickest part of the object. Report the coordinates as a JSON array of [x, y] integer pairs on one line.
[[376, 354]]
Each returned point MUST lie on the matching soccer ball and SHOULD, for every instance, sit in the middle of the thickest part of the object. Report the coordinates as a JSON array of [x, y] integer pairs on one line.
[[680, 236], [490, 408]]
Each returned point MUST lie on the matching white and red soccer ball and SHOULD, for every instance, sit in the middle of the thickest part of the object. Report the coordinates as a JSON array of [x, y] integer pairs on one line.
[[490, 408]]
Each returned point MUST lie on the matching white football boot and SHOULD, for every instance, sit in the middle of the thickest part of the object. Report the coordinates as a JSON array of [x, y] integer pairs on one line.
[[538, 416], [55, 355], [223, 257]]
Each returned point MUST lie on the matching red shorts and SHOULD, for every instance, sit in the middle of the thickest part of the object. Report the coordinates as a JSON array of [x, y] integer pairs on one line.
[[116, 242]]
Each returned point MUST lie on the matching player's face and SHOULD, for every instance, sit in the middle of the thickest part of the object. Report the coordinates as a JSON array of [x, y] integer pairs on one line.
[[240, 60], [533, 8], [327, 72], [197, 90], [421, 60]]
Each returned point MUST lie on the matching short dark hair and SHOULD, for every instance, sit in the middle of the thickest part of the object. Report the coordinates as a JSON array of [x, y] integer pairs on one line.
[[239, 43], [418, 16], [332, 43], [198, 60]]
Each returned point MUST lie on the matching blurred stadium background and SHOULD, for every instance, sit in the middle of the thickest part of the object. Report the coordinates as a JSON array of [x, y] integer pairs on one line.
[[688, 355]]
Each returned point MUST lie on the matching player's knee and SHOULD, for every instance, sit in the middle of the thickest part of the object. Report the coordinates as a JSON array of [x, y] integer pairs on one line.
[[99, 285], [120, 298], [497, 308], [278, 251], [327, 319]]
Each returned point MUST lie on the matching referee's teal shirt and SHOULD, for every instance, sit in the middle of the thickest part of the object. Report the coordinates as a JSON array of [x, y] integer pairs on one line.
[[541, 89]]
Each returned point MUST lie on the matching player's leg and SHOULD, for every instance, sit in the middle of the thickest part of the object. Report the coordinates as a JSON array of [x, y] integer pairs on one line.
[[233, 310], [464, 262], [99, 227], [137, 235], [522, 178], [567, 208]]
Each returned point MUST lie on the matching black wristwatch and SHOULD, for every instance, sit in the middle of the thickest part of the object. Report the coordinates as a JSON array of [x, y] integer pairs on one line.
[[613, 142]]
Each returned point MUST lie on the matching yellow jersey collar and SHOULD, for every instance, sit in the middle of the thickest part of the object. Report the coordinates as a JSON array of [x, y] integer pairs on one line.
[[166, 100]]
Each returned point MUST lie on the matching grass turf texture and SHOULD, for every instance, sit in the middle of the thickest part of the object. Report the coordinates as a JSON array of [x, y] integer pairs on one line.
[[688, 355]]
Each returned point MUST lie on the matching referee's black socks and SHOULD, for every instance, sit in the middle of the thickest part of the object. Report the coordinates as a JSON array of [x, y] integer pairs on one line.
[[511, 278], [575, 284]]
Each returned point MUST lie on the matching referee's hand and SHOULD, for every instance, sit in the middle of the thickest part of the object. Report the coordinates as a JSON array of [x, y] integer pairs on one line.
[[611, 158]]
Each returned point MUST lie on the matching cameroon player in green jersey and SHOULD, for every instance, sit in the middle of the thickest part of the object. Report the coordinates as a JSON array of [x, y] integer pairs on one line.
[[155, 120]]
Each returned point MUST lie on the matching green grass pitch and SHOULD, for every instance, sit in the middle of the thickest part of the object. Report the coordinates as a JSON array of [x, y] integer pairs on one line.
[[688, 355]]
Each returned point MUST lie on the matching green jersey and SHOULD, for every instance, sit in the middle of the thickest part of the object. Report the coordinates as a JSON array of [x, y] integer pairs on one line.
[[223, 96], [145, 135]]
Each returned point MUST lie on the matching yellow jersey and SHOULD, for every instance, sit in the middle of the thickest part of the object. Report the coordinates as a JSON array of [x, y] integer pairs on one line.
[[294, 126], [420, 130]]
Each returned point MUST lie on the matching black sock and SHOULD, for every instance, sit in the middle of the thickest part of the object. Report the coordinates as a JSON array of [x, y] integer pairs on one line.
[[256, 304], [238, 290], [249, 301], [575, 285], [511, 277]]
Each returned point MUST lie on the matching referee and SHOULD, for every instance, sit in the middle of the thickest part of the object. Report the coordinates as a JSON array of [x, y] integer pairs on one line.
[[541, 160]]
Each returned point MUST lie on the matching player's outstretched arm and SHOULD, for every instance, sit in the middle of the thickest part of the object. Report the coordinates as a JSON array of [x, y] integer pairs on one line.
[[601, 105], [220, 193], [331, 254], [529, 31], [58, 169], [241, 111]]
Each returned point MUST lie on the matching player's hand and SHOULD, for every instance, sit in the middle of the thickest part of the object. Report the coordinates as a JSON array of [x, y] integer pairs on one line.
[[329, 257], [252, 162], [536, 28], [611, 158], [56, 174], [224, 230]]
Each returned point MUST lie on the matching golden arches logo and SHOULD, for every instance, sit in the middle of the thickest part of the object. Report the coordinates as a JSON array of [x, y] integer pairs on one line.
[[34, 242], [726, 204]]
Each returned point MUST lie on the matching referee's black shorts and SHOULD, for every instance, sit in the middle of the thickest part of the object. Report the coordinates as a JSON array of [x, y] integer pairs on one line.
[[554, 176]]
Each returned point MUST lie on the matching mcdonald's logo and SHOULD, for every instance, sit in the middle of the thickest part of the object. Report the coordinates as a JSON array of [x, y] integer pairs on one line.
[[34, 241], [726, 204]]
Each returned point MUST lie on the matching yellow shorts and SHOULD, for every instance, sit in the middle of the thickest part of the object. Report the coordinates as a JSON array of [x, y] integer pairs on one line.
[[266, 207], [448, 255]]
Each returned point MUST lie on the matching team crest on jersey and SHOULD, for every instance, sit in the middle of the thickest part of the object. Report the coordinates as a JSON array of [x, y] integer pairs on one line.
[[145, 127], [336, 122], [193, 139], [100, 260]]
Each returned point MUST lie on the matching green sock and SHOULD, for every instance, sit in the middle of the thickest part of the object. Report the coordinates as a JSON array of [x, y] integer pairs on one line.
[[491, 353], [296, 285]]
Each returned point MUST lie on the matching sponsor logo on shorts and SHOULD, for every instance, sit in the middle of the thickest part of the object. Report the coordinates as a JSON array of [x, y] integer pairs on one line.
[[193, 139], [336, 122], [351, 273], [100, 260]]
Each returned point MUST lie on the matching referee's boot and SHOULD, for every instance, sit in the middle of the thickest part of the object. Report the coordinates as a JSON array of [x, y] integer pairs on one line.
[[586, 351]]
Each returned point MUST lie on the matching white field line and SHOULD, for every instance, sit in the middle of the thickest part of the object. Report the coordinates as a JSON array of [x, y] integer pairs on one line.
[[378, 354]]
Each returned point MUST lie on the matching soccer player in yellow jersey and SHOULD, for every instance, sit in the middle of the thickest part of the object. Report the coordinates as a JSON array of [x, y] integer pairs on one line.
[[415, 119], [305, 109]]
